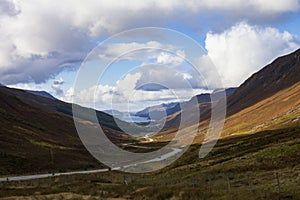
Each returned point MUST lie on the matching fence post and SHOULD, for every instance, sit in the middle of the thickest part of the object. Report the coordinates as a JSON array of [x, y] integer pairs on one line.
[[209, 183], [194, 182], [228, 182], [250, 184], [278, 182]]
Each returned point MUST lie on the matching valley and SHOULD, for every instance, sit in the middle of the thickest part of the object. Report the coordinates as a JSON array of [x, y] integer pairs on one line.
[[256, 156]]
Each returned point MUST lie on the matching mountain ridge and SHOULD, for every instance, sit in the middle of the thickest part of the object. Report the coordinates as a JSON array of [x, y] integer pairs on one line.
[[33, 127], [271, 92], [41, 93], [278, 75]]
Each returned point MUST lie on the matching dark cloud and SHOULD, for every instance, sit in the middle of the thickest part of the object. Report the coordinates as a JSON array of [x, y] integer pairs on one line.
[[41, 40], [57, 86], [7, 7]]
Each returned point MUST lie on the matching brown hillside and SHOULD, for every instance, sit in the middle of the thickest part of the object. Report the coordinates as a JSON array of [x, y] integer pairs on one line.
[[31, 129]]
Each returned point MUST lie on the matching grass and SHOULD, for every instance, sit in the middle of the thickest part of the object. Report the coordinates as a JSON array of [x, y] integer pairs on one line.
[[45, 144], [257, 157], [276, 152]]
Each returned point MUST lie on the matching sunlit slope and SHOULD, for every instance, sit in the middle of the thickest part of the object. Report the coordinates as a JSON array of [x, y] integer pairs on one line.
[[269, 99]]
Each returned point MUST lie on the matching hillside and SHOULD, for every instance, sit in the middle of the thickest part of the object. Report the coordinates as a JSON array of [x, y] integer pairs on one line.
[[269, 99], [36, 136], [42, 94], [204, 105], [249, 164]]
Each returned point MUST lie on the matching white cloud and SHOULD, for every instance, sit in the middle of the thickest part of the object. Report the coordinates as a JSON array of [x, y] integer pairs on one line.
[[261, 6], [25, 86], [38, 42], [59, 81], [88, 97], [126, 85], [167, 58], [134, 50], [167, 76], [244, 49], [38, 38], [68, 95], [127, 91], [57, 86], [237, 53], [105, 97]]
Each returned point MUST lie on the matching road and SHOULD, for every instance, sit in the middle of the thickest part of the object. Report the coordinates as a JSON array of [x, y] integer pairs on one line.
[[39, 176], [147, 137]]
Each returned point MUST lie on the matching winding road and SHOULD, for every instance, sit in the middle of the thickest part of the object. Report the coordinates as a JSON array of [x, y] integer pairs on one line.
[[39, 176]]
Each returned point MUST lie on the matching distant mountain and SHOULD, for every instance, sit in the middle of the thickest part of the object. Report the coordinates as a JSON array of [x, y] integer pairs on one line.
[[113, 112], [161, 111], [41, 93], [127, 117], [204, 98], [158, 112], [204, 105], [165, 110], [230, 91]]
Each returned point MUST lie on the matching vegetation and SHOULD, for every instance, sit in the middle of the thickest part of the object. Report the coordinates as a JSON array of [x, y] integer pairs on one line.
[[240, 167]]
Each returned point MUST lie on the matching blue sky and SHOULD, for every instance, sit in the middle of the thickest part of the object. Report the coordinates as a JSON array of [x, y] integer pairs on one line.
[[43, 45]]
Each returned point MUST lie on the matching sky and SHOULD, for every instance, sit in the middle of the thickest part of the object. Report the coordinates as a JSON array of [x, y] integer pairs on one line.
[[43, 46]]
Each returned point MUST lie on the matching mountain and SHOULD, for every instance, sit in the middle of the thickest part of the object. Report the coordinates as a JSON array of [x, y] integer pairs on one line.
[[127, 117], [51, 105], [268, 100], [204, 98], [204, 104], [158, 112], [230, 91], [37, 134], [36, 92], [281, 74], [164, 110], [41, 93], [114, 113]]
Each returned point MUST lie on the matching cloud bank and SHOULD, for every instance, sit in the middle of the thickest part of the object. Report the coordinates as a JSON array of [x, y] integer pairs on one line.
[[244, 49], [39, 38]]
